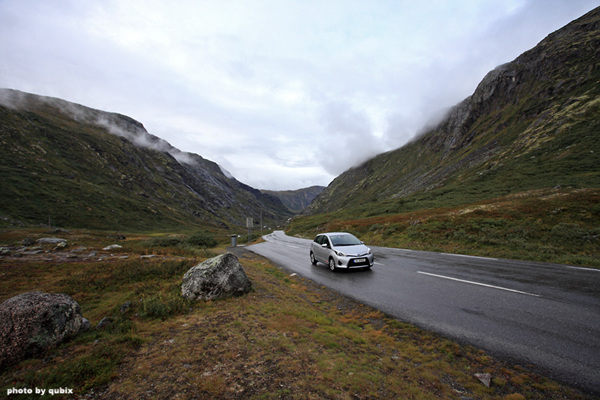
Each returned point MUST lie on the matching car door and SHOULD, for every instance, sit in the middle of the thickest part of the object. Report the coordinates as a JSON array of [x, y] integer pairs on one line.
[[325, 249], [315, 247], [318, 250]]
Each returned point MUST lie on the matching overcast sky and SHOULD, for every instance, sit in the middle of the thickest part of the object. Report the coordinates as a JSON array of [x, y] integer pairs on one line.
[[282, 94]]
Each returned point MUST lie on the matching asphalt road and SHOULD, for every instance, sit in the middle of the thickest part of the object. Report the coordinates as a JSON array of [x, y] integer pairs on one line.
[[540, 314]]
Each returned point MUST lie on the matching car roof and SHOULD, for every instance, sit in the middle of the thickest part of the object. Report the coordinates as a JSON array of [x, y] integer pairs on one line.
[[335, 233]]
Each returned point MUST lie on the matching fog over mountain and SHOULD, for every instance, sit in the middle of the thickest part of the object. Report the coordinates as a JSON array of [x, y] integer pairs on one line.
[[283, 95], [81, 167], [531, 123]]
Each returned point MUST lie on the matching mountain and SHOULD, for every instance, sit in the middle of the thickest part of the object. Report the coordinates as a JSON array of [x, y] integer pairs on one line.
[[296, 200], [531, 123], [81, 167]]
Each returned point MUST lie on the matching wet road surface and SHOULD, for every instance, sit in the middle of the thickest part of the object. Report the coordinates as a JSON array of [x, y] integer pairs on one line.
[[546, 315]]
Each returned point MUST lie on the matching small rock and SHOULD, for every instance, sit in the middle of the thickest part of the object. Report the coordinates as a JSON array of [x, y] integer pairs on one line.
[[104, 322], [125, 307], [485, 378], [50, 240], [32, 252], [148, 256], [112, 246], [28, 242], [85, 324]]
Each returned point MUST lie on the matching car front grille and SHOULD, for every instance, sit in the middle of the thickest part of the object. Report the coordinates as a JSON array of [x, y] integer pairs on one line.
[[354, 263]]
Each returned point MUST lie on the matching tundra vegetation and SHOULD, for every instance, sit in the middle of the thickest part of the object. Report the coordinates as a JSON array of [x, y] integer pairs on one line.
[[550, 225], [288, 338]]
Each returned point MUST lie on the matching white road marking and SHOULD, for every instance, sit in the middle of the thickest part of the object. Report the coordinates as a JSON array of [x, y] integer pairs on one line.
[[583, 268], [478, 283], [465, 255]]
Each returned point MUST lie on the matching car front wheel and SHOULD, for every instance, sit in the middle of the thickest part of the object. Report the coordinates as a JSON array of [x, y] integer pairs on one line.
[[332, 264], [313, 260]]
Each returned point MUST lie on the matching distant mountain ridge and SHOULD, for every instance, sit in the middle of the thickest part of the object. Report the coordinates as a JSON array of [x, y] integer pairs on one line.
[[81, 167], [531, 123], [296, 200]]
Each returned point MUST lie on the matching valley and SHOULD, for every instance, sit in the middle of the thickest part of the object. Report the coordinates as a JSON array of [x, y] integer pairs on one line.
[[512, 172]]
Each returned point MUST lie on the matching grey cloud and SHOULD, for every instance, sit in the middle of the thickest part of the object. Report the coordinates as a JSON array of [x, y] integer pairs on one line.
[[347, 139], [306, 90]]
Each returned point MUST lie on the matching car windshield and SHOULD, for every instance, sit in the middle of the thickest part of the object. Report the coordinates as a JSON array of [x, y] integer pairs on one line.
[[344, 240]]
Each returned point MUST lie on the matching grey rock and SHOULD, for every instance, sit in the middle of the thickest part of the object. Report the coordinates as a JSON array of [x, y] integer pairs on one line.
[[28, 242], [216, 278], [485, 378], [61, 245], [50, 240], [104, 322], [112, 247], [125, 306], [33, 322]]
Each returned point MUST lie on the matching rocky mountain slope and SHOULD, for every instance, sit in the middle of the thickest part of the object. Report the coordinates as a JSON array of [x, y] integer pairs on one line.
[[531, 123], [296, 200], [79, 167]]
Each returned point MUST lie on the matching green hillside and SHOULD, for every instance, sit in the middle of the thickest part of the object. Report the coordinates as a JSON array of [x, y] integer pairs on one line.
[[531, 123], [79, 167]]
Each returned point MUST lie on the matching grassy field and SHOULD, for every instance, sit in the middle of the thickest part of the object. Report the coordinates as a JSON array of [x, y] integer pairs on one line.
[[551, 225], [289, 338]]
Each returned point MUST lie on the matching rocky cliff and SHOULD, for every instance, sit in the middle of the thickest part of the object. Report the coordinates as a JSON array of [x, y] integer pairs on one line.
[[296, 200]]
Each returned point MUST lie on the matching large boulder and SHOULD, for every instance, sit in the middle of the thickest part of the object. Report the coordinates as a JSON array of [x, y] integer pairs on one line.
[[216, 278], [31, 323]]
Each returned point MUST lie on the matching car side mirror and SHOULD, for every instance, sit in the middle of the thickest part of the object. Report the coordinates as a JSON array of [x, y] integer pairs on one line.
[[324, 245]]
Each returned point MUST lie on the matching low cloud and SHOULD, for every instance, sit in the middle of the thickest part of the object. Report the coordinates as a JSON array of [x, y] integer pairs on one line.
[[347, 138], [281, 94], [115, 124]]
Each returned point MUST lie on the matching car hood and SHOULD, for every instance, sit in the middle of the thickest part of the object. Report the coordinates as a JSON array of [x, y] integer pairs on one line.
[[356, 250]]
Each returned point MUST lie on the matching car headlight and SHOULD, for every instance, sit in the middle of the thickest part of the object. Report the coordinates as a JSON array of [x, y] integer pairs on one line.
[[368, 250], [340, 253]]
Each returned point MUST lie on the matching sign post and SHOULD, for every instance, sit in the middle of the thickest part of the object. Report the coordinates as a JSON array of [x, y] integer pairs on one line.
[[249, 224]]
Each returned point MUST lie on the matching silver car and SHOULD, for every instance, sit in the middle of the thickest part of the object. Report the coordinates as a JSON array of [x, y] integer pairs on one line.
[[340, 250]]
